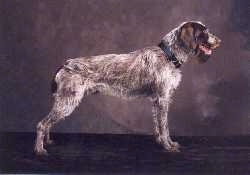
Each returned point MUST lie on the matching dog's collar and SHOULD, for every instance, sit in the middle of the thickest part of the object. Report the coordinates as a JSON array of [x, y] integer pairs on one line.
[[170, 55]]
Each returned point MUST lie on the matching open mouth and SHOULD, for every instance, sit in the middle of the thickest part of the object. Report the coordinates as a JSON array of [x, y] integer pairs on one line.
[[205, 49]]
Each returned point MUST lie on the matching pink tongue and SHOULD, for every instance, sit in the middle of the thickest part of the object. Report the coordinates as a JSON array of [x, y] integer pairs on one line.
[[207, 51]]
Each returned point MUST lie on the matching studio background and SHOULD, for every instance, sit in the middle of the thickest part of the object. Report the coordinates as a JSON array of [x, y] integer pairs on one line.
[[38, 36]]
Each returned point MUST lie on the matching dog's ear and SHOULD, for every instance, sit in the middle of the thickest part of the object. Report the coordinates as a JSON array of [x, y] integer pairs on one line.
[[189, 31], [187, 35]]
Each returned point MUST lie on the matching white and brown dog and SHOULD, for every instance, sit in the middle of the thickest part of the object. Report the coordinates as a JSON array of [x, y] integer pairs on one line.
[[149, 72]]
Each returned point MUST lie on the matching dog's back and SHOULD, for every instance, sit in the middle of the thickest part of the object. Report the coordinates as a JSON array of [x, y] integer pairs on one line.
[[121, 75]]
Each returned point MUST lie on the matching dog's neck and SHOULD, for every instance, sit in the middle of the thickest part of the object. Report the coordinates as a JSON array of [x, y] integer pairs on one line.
[[170, 56], [172, 41]]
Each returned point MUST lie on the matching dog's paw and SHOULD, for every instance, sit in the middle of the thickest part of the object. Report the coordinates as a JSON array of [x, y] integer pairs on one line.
[[175, 144], [172, 147], [41, 152]]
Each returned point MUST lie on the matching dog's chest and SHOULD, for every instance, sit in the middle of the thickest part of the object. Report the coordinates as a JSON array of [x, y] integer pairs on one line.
[[175, 79], [170, 77]]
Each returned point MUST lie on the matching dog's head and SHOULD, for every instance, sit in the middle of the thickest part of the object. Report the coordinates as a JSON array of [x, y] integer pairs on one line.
[[196, 39]]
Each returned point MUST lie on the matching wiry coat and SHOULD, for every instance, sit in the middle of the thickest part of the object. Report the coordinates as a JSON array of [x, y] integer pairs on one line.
[[138, 73], [142, 73]]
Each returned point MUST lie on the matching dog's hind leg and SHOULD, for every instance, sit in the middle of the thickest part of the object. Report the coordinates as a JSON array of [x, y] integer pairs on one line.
[[62, 108], [75, 99], [66, 100]]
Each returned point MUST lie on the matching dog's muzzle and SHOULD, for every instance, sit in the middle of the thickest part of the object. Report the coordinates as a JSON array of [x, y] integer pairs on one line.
[[213, 41]]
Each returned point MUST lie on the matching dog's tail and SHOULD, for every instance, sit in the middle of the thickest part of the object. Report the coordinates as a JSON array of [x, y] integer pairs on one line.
[[53, 82]]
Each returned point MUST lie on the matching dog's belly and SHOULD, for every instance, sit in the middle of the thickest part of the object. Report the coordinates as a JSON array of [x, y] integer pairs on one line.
[[126, 93]]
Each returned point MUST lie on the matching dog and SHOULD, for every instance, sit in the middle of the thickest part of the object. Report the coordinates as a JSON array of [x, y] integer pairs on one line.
[[151, 72]]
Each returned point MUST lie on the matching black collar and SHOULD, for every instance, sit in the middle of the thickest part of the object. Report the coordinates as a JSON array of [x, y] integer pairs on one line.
[[170, 55]]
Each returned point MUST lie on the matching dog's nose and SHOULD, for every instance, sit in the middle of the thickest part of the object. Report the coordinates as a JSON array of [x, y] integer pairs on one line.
[[214, 41]]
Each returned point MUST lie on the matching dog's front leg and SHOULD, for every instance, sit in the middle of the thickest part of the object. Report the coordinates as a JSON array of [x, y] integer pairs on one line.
[[160, 108]]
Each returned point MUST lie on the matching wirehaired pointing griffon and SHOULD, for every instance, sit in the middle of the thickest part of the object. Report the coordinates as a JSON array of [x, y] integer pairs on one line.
[[151, 72]]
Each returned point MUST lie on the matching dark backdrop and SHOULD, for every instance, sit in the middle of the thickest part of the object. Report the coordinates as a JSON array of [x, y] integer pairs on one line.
[[38, 36]]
